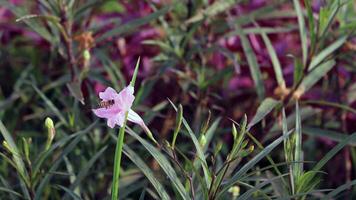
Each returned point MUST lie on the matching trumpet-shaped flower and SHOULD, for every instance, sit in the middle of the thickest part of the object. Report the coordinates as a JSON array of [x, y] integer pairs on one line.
[[115, 105]]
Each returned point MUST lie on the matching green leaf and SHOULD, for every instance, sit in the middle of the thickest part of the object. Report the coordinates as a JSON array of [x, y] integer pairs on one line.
[[326, 52], [298, 154], [49, 103], [275, 62], [15, 151], [45, 180], [250, 192], [200, 152], [302, 30], [266, 107], [133, 79], [134, 24], [34, 25], [329, 134], [251, 163], [163, 162], [70, 192], [339, 189], [298, 71], [311, 23], [147, 171], [12, 192], [84, 170], [75, 90], [212, 10], [334, 151], [314, 76], [252, 63]]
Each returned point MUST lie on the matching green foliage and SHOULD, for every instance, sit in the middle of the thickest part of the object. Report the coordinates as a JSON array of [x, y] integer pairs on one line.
[[53, 148]]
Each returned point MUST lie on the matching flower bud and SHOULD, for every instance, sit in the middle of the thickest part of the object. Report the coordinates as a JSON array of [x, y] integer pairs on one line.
[[202, 140], [86, 55], [51, 132], [235, 191]]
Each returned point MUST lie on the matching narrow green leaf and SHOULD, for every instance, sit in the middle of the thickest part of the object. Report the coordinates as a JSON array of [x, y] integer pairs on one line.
[[252, 63], [63, 141], [133, 79], [70, 192], [333, 152], [315, 75], [302, 30], [12, 192], [49, 103], [275, 61], [212, 10], [45, 180], [326, 52], [200, 152], [329, 134], [179, 119], [266, 107], [84, 170], [339, 189], [251, 163], [311, 23], [16, 153], [250, 192], [75, 90], [34, 25], [298, 154], [298, 71], [163, 162], [134, 24], [147, 171]]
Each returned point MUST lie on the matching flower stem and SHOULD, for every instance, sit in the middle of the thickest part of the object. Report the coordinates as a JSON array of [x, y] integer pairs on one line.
[[117, 162]]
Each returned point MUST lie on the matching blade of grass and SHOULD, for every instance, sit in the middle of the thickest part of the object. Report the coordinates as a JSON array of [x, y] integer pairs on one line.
[[119, 146], [84, 171], [332, 135], [163, 162], [266, 107], [252, 163], [70, 192], [147, 171], [44, 155], [49, 103], [314, 76], [249, 193], [134, 24], [252, 63], [339, 189], [302, 30], [326, 52], [200, 152], [275, 61], [333, 152], [11, 192], [298, 154], [45, 180]]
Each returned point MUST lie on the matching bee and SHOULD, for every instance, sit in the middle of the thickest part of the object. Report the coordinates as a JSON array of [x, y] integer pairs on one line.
[[106, 104]]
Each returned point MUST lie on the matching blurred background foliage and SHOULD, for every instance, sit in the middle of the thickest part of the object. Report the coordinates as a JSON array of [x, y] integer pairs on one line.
[[219, 59]]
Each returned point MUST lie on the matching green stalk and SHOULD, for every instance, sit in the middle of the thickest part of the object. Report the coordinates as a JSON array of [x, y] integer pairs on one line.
[[117, 162], [119, 146]]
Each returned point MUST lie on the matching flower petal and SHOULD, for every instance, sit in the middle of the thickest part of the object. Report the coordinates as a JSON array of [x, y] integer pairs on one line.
[[118, 119], [125, 98], [104, 113], [108, 94], [135, 118]]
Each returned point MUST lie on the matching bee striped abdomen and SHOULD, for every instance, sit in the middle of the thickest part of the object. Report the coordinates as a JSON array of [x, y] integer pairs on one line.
[[106, 104]]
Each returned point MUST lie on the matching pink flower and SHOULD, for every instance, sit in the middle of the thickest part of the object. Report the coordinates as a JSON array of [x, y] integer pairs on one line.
[[115, 105]]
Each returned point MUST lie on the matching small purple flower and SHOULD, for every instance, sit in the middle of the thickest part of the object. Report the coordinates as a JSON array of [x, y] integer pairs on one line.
[[115, 105]]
